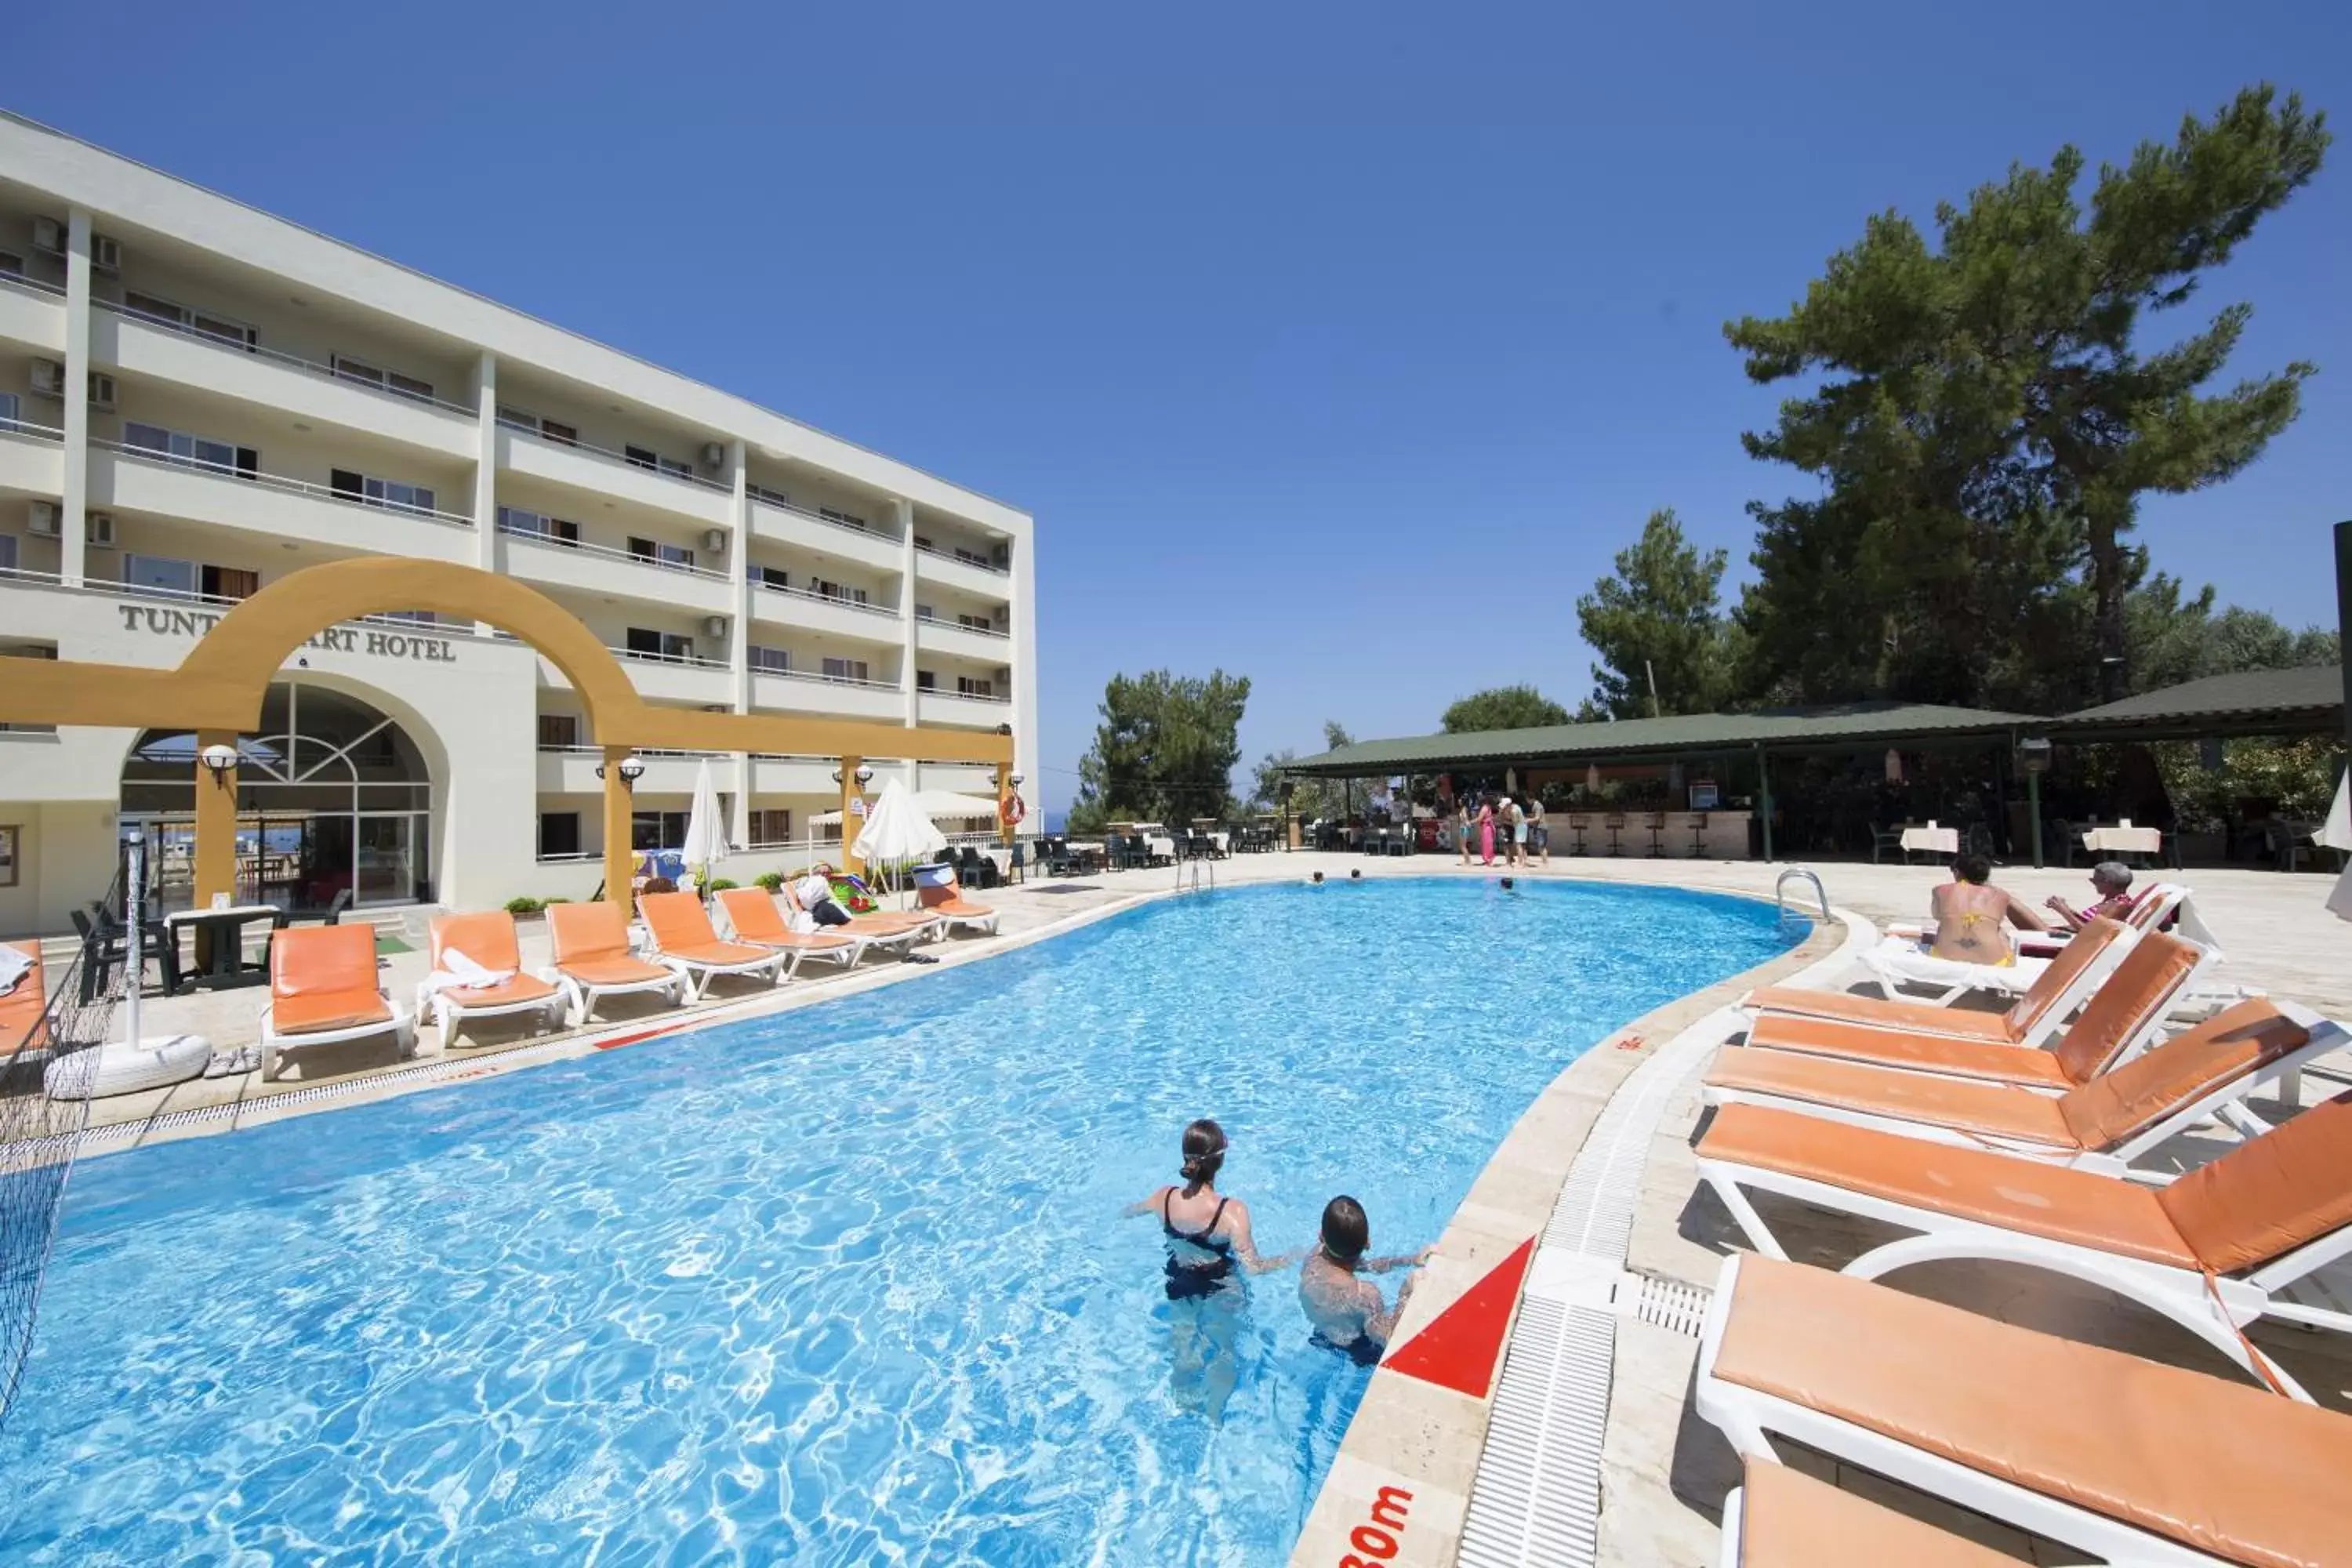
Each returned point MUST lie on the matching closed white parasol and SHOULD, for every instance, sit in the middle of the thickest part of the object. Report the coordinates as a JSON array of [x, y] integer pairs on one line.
[[897, 833], [706, 826]]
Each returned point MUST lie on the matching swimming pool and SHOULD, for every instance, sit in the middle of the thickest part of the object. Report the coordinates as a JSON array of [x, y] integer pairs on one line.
[[845, 1285]]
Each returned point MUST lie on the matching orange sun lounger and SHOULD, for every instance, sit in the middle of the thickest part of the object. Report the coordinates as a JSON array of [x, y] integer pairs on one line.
[[489, 939], [754, 917], [1782, 1518], [23, 1010], [682, 936], [593, 957], [947, 901], [322, 988]]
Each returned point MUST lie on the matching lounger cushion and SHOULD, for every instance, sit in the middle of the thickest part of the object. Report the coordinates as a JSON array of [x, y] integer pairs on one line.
[[1985, 1110], [21, 1009], [2270, 1195], [315, 1012], [586, 931], [2120, 1008], [512, 992], [1877, 1012], [1895, 1047], [2066, 1205], [487, 936], [2228, 1468], [718, 954], [608, 971], [1787, 1519], [2227, 1047]]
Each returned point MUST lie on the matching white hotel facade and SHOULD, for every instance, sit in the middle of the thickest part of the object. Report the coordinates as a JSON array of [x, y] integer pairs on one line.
[[197, 398]]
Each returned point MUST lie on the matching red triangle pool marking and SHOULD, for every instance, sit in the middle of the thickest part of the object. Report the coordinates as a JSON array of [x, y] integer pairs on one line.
[[1459, 1348]]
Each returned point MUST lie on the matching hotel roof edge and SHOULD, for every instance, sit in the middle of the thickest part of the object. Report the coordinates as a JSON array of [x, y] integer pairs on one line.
[[749, 412]]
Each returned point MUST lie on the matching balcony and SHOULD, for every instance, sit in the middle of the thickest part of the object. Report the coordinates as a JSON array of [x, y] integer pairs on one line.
[[596, 471], [571, 770], [825, 538], [34, 314], [799, 692], [160, 350], [984, 645], [600, 569], [140, 479], [964, 712], [805, 609], [32, 457], [795, 775], [991, 584]]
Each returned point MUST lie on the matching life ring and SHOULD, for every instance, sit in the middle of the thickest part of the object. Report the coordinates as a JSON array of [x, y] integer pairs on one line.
[[1011, 811]]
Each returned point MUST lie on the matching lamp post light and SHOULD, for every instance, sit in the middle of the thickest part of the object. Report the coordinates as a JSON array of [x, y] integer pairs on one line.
[[864, 776], [217, 761], [632, 768]]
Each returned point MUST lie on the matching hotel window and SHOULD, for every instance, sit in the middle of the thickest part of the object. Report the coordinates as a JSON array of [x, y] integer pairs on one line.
[[776, 660], [771, 576], [391, 494], [645, 457], [845, 669], [349, 369], [835, 591], [847, 519], [660, 554], [11, 264], [771, 826], [925, 612], [554, 529], [558, 833], [236, 334], [8, 407], [558, 730], [974, 623], [762, 492], [659, 645], [971, 557], [411, 618], [968, 687], [927, 680], [657, 830], [161, 574], [515, 419], [921, 544], [7, 552], [199, 451]]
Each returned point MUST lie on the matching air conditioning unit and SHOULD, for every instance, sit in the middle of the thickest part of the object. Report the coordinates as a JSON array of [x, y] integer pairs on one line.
[[715, 540], [98, 528], [715, 625], [46, 520], [105, 254], [101, 392], [48, 378], [713, 455], [50, 235]]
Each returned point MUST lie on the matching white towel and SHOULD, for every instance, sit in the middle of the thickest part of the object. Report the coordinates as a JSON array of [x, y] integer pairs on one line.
[[14, 966], [458, 973]]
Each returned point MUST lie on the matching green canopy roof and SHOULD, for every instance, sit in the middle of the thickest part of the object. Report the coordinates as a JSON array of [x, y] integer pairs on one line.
[[1843, 727], [2253, 701]]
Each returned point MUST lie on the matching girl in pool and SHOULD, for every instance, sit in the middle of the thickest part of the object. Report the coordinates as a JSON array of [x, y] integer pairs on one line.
[[1209, 1247], [1347, 1312]]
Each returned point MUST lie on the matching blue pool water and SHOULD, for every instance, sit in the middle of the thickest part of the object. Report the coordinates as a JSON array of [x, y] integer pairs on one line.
[[844, 1286]]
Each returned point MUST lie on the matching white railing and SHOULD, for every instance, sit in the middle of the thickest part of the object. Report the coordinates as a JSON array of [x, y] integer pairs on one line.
[[278, 356], [689, 660], [830, 679], [606, 553], [886, 612], [32, 285], [642, 465], [865, 531], [146, 591], [585, 751], [27, 427], [572, 857], [966, 696], [959, 627], [936, 552], [281, 482]]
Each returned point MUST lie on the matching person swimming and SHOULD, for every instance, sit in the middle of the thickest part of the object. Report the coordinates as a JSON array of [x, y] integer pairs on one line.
[[1507, 884], [1207, 1231], [1348, 1314], [1315, 879]]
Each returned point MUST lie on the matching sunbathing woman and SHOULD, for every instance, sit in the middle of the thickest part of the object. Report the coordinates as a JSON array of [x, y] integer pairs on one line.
[[1971, 915]]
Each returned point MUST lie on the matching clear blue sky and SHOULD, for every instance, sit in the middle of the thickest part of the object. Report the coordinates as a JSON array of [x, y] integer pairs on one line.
[[1337, 345]]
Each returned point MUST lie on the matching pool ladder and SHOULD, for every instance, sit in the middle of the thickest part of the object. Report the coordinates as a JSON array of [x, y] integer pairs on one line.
[[1799, 874], [1190, 876]]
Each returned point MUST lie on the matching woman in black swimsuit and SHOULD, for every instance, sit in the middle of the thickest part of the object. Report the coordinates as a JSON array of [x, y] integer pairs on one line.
[[1208, 1239]]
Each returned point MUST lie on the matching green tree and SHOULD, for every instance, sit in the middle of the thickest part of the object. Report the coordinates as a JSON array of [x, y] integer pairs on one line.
[[1164, 750], [1986, 419], [1310, 797], [1659, 617], [1501, 707]]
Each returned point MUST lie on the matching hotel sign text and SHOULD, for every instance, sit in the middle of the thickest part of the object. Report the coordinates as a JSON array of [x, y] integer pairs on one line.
[[368, 640]]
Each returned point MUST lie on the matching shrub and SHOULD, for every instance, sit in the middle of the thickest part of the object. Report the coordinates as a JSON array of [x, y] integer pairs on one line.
[[720, 885], [525, 905], [769, 881]]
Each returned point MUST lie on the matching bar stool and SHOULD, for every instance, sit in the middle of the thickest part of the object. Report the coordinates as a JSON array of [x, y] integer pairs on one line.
[[1698, 834], [1576, 826], [1657, 825], [1615, 823]]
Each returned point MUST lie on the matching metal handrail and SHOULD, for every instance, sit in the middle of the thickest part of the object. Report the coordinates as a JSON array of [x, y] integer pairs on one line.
[[964, 696], [1798, 873], [278, 356], [951, 555], [959, 627], [869, 531], [310, 487], [32, 285], [889, 611], [606, 553], [589, 751], [27, 427], [608, 453], [112, 590], [830, 679], [690, 661]]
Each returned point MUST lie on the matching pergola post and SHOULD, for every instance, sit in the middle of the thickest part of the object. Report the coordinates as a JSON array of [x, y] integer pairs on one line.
[[1004, 828], [215, 866], [1764, 798], [620, 857], [851, 795]]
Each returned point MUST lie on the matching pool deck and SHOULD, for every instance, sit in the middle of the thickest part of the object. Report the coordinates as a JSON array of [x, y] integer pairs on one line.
[[1664, 1473]]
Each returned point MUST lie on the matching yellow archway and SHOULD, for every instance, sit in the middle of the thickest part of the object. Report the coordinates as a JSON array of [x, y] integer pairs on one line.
[[218, 689]]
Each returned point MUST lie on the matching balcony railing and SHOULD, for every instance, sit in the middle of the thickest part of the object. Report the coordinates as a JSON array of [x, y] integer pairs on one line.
[[887, 611], [292, 362], [606, 553], [966, 696], [655, 466], [27, 427], [689, 660], [934, 552], [146, 591], [281, 482], [962, 626], [829, 679], [586, 751], [867, 532], [32, 286]]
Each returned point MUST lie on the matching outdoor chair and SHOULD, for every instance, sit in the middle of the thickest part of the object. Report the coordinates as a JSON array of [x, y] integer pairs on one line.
[[1017, 869], [945, 899], [1882, 839], [683, 940], [1056, 852], [974, 869], [1615, 823], [591, 943], [2288, 845], [25, 1009], [1698, 834], [752, 917], [1657, 825], [323, 989], [462, 948], [1576, 826]]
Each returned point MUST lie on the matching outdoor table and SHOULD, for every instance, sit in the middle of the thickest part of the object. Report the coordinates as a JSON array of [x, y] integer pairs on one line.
[[1931, 840], [1161, 848], [220, 945], [1223, 841], [2124, 839]]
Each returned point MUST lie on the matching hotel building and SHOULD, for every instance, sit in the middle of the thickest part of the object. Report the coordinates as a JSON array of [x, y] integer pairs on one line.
[[197, 398]]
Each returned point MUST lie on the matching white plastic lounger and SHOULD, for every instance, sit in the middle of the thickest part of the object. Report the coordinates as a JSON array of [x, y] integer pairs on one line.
[[2213, 1251], [752, 916], [593, 960], [487, 941], [2103, 1125], [2129, 1460], [683, 940], [322, 990]]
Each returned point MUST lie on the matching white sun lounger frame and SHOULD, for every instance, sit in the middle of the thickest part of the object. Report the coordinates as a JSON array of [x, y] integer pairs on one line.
[[1745, 1416], [2045, 1029], [401, 1026], [581, 996]]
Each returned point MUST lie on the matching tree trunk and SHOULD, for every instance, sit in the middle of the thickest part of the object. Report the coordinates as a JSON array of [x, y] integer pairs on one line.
[[2108, 577]]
